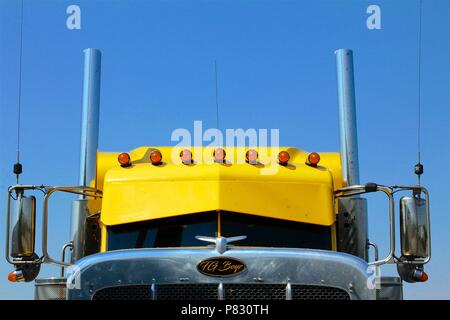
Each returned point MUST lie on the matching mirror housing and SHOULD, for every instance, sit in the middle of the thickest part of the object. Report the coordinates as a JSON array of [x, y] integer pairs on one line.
[[26, 272], [24, 226], [414, 228], [411, 273]]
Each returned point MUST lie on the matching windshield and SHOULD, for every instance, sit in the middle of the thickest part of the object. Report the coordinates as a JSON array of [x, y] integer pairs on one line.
[[180, 231]]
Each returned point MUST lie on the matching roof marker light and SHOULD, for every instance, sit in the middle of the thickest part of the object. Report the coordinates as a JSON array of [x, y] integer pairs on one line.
[[124, 159], [251, 156], [219, 155], [313, 159], [186, 156], [283, 158], [156, 157]]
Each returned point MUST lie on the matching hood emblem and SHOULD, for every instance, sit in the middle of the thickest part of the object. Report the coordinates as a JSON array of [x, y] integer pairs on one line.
[[220, 242], [221, 267]]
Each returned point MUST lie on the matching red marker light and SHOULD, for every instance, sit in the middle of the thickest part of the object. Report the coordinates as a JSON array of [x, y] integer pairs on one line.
[[423, 276], [283, 158], [418, 275], [124, 159], [313, 159], [219, 155], [251, 156], [156, 157], [186, 156]]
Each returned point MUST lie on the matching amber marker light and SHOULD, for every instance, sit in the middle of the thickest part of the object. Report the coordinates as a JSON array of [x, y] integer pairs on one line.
[[124, 159], [156, 157], [251, 156], [313, 159], [16, 276], [219, 155], [186, 156], [283, 158]]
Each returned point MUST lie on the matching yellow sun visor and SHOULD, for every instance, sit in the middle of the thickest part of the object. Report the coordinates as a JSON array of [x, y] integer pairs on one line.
[[144, 191]]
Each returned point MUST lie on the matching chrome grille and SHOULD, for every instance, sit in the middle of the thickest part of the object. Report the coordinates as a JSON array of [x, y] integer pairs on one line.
[[244, 291], [209, 291], [302, 292], [134, 292], [187, 291]]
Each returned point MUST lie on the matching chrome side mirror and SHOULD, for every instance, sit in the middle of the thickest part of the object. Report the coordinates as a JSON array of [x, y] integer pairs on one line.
[[414, 228], [24, 225]]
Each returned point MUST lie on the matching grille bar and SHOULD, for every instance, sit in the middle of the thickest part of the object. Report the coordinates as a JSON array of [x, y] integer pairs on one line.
[[221, 291]]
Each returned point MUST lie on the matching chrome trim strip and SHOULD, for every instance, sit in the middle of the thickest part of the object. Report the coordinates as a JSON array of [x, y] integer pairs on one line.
[[153, 291], [288, 291], [220, 291]]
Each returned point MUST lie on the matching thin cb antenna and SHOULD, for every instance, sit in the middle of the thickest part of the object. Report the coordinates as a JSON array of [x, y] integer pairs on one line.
[[217, 95], [18, 166], [418, 168]]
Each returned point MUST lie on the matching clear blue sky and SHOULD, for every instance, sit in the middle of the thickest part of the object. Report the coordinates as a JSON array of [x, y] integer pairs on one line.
[[276, 70]]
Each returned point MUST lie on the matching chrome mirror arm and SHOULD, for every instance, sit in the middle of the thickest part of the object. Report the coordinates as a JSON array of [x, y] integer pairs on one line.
[[79, 190], [389, 191], [48, 191], [368, 188]]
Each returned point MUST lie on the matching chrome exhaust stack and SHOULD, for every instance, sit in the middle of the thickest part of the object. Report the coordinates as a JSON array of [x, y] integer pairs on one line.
[[80, 230], [352, 218], [347, 117], [90, 116]]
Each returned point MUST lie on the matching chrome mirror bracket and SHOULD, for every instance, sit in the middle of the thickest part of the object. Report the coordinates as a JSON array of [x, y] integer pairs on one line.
[[390, 191], [48, 191]]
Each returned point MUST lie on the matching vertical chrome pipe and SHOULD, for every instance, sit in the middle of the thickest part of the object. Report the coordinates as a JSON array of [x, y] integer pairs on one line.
[[353, 229], [90, 116], [347, 117], [88, 150]]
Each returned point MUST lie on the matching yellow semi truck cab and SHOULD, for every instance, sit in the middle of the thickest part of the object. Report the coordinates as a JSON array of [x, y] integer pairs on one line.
[[219, 222]]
